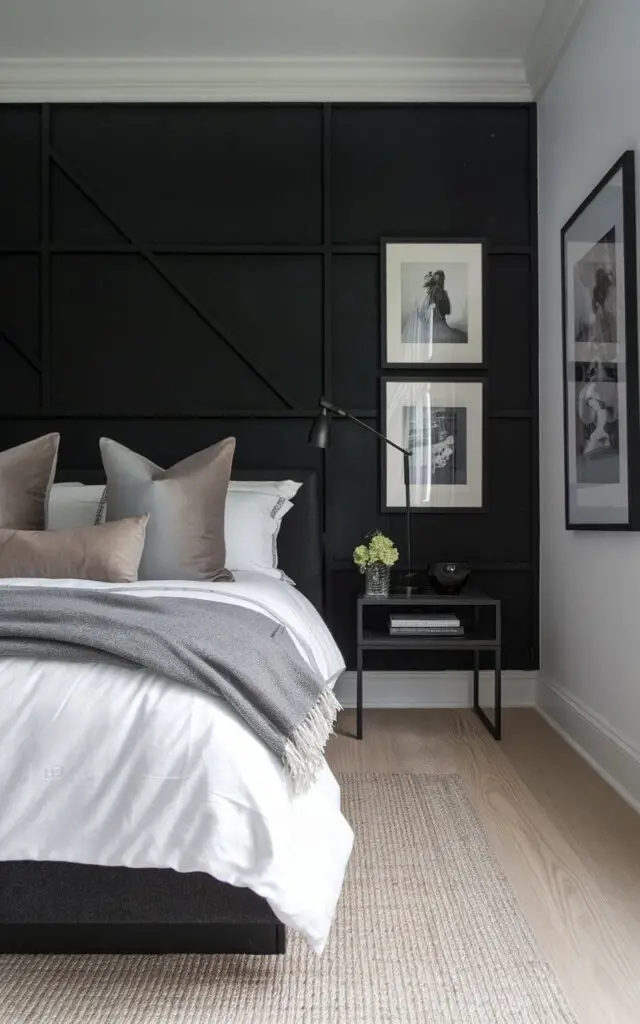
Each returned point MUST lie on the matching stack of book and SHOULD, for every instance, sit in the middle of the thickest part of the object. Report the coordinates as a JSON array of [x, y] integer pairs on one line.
[[425, 624]]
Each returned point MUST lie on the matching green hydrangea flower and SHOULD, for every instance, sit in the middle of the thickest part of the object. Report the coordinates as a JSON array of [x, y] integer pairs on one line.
[[379, 550], [361, 555]]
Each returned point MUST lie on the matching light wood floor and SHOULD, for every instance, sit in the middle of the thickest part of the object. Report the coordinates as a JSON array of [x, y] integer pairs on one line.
[[569, 845]]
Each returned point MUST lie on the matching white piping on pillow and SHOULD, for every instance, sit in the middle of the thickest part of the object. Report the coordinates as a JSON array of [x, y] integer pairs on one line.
[[279, 505]]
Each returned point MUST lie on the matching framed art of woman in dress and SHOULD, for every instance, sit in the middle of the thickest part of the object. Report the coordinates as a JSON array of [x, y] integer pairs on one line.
[[433, 303]]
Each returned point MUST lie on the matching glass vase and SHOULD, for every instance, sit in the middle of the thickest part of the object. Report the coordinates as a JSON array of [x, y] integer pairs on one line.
[[378, 580]]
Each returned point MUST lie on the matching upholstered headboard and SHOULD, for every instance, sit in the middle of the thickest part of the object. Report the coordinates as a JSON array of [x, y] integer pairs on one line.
[[300, 538]]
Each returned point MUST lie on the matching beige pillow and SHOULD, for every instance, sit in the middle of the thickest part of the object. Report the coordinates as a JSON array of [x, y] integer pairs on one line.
[[26, 475], [110, 552], [185, 536]]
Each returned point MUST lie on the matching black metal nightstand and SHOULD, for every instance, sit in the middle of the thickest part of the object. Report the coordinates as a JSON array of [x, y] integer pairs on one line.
[[481, 617]]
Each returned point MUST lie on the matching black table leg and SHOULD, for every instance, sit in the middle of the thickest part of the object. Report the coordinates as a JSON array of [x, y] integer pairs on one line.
[[359, 695], [495, 727], [498, 694], [476, 662], [476, 678]]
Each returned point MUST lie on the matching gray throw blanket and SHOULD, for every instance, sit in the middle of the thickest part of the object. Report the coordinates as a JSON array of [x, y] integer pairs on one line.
[[225, 650]]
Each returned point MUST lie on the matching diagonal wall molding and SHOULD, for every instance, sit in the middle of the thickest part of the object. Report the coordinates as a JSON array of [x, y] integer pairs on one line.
[[287, 79], [31, 360], [146, 252]]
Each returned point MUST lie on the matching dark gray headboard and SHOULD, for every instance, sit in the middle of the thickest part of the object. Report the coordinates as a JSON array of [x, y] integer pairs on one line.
[[300, 539]]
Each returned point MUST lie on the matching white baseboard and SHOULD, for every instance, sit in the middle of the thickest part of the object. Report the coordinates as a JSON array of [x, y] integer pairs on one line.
[[434, 689], [615, 758]]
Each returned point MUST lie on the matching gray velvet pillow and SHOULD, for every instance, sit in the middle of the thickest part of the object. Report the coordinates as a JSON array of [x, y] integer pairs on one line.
[[110, 552], [185, 534], [26, 475]]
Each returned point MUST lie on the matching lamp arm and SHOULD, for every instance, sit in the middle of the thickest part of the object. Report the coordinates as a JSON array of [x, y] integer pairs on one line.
[[337, 411]]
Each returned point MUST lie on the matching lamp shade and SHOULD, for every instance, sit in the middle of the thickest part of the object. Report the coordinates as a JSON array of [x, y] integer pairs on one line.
[[319, 436]]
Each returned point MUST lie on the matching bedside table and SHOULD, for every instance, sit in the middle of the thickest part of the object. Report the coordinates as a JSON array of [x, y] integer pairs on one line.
[[481, 617]]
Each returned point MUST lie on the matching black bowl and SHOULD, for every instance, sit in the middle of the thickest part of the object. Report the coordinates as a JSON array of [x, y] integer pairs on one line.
[[449, 577]]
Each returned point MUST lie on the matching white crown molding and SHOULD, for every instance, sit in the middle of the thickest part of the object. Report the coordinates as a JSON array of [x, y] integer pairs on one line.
[[435, 689], [262, 80], [613, 756], [553, 34]]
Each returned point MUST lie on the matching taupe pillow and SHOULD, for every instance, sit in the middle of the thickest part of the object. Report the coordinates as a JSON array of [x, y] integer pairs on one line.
[[26, 475], [185, 535], [110, 552]]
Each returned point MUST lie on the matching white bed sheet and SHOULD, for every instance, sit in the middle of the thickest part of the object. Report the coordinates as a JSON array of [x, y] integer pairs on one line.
[[101, 764]]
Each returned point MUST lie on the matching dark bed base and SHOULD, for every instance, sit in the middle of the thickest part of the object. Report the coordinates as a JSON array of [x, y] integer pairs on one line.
[[48, 907]]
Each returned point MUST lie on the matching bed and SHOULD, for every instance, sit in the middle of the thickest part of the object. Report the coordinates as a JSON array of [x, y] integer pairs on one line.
[[128, 898]]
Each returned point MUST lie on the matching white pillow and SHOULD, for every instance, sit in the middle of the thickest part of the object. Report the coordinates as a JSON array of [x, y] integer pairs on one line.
[[74, 504], [281, 488], [251, 525], [253, 513], [83, 494]]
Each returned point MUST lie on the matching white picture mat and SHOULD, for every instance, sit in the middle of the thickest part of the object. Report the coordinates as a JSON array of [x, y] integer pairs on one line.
[[436, 255], [426, 395], [587, 501]]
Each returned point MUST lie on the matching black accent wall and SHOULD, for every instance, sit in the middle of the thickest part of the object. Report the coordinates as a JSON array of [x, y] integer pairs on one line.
[[173, 274]]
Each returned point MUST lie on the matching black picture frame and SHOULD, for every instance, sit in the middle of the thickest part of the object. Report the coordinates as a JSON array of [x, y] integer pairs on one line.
[[436, 379], [467, 366], [593, 385]]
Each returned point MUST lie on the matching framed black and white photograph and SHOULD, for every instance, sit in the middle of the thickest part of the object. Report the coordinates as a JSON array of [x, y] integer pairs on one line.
[[433, 301], [600, 345], [442, 424]]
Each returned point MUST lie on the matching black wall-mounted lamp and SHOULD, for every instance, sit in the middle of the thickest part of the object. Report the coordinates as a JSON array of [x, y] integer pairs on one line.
[[319, 438]]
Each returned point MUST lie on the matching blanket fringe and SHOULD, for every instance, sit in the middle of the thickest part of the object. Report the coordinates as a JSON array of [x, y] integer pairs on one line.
[[304, 750]]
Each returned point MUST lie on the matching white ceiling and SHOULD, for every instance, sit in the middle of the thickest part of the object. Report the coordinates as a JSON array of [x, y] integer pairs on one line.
[[314, 50], [450, 29]]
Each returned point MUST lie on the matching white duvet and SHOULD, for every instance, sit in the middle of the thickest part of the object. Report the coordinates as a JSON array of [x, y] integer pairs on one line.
[[107, 765]]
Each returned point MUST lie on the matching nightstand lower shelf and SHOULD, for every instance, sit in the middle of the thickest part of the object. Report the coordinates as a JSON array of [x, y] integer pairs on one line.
[[477, 639]]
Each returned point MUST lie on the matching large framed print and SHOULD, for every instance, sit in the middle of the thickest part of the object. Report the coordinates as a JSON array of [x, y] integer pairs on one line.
[[433, 303], [600, 356], [442, 424]]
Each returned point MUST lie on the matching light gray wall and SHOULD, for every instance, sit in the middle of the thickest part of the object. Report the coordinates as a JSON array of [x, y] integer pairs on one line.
[[588, 115]]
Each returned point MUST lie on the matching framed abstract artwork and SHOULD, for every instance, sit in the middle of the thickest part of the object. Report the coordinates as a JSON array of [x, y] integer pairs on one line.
[[600, 357], [433, 303], [442, 424]]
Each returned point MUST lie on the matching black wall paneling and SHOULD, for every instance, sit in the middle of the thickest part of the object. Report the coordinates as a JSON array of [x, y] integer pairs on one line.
[[170, 274]]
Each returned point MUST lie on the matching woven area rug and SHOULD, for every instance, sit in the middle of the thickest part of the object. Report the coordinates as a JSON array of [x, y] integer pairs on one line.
[[428, 932]]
